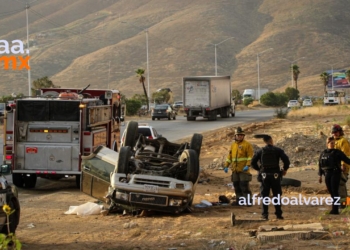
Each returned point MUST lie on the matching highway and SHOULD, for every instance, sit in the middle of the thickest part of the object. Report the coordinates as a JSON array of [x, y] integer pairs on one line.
[[181, 128]]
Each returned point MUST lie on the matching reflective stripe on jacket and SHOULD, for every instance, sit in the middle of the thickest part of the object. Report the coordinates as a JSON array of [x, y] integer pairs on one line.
[[343, 145], [240, 155]]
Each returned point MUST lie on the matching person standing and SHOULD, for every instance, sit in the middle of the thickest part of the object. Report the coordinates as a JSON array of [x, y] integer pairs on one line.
[[239, 158], [266, 161], [329, 164], [343, 145]]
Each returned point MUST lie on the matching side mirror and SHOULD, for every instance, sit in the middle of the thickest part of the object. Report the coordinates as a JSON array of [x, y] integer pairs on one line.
[[5, 169]]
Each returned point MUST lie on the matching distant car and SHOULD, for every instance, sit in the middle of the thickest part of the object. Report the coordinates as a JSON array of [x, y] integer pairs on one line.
[[307, 103], [164, 89], [293, 103], [163, 111], [149, 132], [178, 104]]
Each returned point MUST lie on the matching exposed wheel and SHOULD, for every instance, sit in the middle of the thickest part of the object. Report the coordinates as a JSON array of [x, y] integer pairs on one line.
[[13, 218], [213, 115], [290, 182], [196, 143], [190, 157], [30, 181], [225, 112], [158, 119], [77, 180], [191, 118], [174, 118], [115, 146], [169, 118], [123, 160], [18, 180], [131, 134], [153, 118], [233, 112]]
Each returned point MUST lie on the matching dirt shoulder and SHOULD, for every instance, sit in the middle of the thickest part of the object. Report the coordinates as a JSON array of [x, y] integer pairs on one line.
[[44, 225]]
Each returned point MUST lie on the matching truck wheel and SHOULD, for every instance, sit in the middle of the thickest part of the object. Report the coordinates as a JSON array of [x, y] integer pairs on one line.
[[169, 118], [174, 118], [196, 143], [17, 180], [123, 160], [77, 180], [13, 218], [213, 115], [225, 112], [191, 118], [30, 181], [190, 157], [131, 134], [153, 118]]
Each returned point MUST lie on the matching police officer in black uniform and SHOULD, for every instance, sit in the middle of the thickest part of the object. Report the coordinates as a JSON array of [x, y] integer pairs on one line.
[[330, 165], [270, 173]]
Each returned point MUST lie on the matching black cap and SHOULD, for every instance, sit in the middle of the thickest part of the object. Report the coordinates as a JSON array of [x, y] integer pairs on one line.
[[265, 137]]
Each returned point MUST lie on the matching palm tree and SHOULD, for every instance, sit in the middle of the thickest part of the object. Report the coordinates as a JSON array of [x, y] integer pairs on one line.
[[295, 70], [347, 73], [325, 78], [139, 73]]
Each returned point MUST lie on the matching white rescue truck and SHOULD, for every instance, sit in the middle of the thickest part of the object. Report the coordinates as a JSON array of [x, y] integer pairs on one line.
[[46, 136]]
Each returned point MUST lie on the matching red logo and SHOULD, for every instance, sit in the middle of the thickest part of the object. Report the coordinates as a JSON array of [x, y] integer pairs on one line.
[[32, 150]]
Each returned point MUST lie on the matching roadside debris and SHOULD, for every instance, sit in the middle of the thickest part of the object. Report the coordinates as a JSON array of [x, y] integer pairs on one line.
[[88, 208]]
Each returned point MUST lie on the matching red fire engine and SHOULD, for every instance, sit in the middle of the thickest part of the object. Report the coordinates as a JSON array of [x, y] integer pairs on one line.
[[45, 136]]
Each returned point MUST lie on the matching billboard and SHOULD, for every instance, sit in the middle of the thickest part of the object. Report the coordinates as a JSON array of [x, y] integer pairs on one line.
[[339, 79]]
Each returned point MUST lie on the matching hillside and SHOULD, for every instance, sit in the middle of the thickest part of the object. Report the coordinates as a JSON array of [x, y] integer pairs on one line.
[[103, 42]]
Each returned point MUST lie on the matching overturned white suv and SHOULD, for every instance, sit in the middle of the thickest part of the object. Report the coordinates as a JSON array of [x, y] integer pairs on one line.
[[148, 174]]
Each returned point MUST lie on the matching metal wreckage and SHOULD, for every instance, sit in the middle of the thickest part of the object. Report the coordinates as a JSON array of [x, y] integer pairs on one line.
[[146, 174]]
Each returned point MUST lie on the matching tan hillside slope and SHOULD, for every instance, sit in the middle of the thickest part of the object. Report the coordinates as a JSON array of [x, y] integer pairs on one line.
[[102, 43]]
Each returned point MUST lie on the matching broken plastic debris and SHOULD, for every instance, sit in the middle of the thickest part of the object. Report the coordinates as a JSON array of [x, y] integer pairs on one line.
[[338, 233], [88, 208], [205, 202], [30, 225]]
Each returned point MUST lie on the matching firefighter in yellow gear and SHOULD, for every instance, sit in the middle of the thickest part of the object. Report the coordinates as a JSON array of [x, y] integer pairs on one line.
[[239, 158], [342, 144]]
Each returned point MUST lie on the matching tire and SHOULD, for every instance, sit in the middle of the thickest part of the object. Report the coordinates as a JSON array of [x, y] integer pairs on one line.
[[191, 158], [191, 118], [30, 181], [131, 134], [290, 182], [14, 217], [18, 180], [196, 143], [174, 118], [115, 146], [233, 113], [123, 160], [153, 118], [169, 118], [212, 115], [78, 180], [158, 119], [225, 112]]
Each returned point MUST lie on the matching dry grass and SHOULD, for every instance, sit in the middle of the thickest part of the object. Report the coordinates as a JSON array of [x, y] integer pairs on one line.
[[319, 111]]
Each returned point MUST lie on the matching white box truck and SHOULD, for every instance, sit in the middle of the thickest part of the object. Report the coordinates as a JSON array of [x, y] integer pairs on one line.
[[207, 97], [253, 93]]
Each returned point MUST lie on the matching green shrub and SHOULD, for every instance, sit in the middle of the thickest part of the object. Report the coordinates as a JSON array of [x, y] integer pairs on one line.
[[247, 101], [132, 106]]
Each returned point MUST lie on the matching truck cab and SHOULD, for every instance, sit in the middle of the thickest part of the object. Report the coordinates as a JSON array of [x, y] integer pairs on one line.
[[334, 97]]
